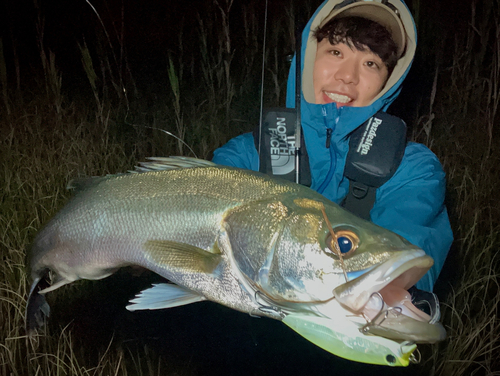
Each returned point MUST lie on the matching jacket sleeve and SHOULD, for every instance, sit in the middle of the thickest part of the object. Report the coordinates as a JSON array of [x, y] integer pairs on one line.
[[411, 204], [238, 152]]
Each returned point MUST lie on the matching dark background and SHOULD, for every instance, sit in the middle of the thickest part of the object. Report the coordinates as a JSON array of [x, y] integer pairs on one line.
[[148, 31], [203, 338]]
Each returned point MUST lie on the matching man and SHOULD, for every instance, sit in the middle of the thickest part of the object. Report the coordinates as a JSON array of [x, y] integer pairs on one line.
[[355, 56]]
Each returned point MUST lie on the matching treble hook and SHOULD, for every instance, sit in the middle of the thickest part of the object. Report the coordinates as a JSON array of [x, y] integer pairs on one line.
[[413, 358], [385, 312]]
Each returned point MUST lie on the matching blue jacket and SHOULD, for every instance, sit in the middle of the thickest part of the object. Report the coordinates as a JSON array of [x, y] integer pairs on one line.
[[411, 203]]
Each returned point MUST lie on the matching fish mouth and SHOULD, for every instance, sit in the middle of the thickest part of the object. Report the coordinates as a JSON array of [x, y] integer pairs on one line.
[[381, 297]]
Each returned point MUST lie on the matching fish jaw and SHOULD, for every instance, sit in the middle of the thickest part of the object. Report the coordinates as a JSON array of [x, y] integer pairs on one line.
[[370, 319], [403, 270], [379, 296]]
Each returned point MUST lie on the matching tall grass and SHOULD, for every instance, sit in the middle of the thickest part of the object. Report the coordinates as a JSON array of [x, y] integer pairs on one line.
[[211, 94], [462, 128]]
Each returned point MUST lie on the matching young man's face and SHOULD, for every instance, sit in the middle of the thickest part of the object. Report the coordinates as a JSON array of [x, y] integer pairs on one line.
[[346, 76]]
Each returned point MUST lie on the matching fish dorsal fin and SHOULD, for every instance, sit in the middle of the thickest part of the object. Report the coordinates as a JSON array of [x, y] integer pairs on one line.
[[153, 164], [164, 295], [170, 163]]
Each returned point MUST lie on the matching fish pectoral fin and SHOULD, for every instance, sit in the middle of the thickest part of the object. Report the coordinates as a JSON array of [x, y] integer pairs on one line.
[[164, 295], [181, 257]]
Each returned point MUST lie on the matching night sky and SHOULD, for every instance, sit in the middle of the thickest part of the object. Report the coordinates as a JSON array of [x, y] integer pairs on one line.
[[149, 31]]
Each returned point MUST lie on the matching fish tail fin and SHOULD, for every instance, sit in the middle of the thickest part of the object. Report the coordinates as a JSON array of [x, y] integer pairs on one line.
[[37, 308]]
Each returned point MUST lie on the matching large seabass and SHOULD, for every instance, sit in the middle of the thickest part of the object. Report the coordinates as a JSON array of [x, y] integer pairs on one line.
[[253, 243]]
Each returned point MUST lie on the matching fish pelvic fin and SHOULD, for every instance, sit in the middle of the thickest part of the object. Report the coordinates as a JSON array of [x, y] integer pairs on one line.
[[164, 295], [176, 257], [37, 308], [59, 282]]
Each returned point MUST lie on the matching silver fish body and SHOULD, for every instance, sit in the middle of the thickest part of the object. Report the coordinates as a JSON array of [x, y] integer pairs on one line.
[[242, 239]]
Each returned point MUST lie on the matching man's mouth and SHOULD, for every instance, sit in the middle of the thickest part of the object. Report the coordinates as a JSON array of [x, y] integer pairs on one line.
[[338, 98]]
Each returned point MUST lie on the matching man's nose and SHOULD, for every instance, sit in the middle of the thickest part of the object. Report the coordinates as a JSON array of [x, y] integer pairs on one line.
[[347, 72]]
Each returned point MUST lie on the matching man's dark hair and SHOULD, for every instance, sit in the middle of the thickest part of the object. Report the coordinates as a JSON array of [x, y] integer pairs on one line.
[[361, 33]]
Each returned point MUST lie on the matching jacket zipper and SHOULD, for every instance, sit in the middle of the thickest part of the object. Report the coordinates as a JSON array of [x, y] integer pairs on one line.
[[329, 132]]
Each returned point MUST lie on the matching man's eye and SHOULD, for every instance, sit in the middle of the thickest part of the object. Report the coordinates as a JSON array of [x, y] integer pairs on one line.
[[372, 64], [335, 52]]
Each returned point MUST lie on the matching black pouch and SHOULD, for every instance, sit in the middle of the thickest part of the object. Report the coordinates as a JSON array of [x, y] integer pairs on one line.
[[277, 146], [376, 149]]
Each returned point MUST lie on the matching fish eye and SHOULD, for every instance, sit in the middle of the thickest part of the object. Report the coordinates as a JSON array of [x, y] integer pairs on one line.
[[345, 244], [348, 242]]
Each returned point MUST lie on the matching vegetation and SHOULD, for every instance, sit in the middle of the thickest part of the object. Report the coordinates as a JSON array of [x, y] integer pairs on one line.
[[51, 134]]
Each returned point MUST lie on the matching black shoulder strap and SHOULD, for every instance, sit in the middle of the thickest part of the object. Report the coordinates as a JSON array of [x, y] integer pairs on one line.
[[376, 149]]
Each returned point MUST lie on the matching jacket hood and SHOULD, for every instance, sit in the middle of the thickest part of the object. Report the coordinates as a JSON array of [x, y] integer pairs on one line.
[[308, 53]]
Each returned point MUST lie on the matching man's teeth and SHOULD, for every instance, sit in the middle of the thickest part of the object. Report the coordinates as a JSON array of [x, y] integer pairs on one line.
[[338, 97]]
